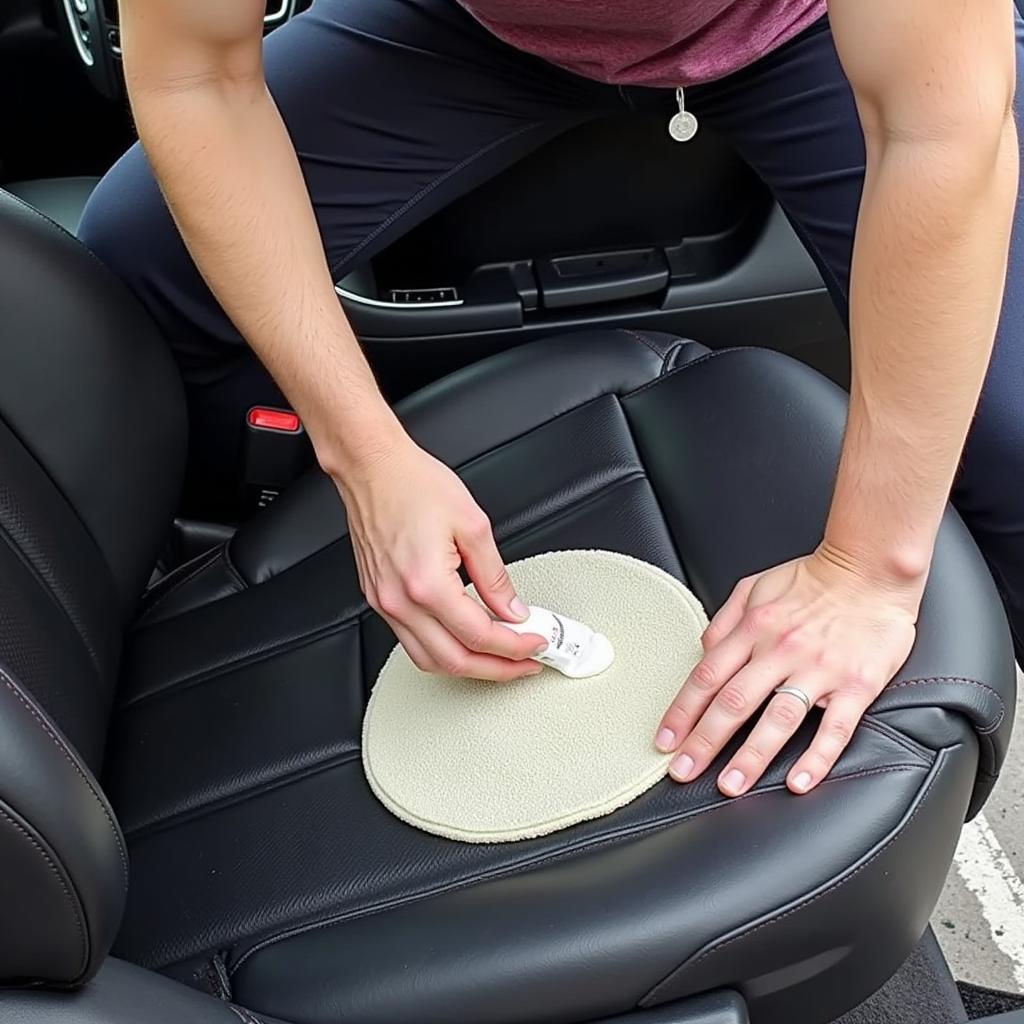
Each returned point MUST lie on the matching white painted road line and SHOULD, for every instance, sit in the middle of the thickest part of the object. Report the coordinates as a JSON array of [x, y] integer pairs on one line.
[[987, 872]]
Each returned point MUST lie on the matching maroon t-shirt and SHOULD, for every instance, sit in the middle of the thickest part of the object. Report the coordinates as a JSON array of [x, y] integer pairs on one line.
[[647, 42]]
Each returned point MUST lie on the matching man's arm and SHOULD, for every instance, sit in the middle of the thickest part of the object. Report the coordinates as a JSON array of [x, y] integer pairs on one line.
[[933, 82], [231, 178], [229, 172]]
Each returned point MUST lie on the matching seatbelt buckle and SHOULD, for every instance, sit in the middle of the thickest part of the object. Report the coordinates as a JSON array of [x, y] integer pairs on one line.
[[276, 451]]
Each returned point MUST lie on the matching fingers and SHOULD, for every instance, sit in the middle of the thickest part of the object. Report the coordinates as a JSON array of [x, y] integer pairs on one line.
[[781, 718], [408, 560], [440, 595], [455, 636], [416, 651], [731, 706], [487, 570], [838, 643], [728, 617], [842, 714], [433, 649], [709, 675]]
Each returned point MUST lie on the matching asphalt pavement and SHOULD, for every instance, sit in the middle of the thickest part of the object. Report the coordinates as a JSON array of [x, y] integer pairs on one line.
[[979, 921]]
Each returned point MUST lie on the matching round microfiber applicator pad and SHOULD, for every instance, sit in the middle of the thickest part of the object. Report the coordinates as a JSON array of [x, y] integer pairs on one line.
[[486, 762]]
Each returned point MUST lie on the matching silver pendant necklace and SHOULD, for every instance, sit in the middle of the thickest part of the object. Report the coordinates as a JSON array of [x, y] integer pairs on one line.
[[683, 125]]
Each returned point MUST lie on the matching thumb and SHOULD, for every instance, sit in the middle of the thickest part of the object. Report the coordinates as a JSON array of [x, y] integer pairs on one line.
[[487, 571]]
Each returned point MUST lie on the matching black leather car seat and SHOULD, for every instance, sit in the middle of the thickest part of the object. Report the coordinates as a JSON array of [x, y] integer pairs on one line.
[[179, 771], [61, 199]]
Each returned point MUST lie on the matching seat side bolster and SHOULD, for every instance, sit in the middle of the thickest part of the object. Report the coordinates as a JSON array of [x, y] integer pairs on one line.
[[855, 902], [65, 865], [963, 658], [755, 492]]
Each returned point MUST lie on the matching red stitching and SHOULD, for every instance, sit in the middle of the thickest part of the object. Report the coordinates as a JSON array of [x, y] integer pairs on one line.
[[958, 679]]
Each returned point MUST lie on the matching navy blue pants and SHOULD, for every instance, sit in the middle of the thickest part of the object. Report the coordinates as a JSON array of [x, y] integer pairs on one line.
[[398, 106]]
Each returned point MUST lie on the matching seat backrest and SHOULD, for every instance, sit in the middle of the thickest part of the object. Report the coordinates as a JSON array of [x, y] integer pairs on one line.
[[92, 435]]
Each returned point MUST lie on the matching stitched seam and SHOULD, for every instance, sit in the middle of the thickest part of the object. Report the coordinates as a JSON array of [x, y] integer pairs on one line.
[[629, 832], [220, 977], [176, 818], [687, 366], [480, 456], [59, 227], [69, 504], [51, 593], [204, 563], [214, 981], [895, 736], [990, 729], [64, 888], [584, 501], [16, 690], [802, 904], [229, 562], [233, 665], [638, 448], [430, 187], [959, 679], [671, 351], [666, 356], [645, 342], [896, 833], [342, 538]]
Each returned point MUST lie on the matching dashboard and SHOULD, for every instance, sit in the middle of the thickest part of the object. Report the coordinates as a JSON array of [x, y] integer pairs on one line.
[[95, 32]]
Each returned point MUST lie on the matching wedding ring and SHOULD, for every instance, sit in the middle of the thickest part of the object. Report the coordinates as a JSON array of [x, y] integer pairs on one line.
[[795, 691]]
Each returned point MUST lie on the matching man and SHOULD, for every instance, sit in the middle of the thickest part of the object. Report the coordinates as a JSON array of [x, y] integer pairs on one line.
[[890, 123]]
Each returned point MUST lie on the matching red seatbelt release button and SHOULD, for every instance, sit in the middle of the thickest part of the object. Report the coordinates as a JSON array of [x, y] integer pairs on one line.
[[283, 421]]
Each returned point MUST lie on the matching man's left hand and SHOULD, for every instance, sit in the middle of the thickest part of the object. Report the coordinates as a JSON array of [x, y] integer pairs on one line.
[[816, 625]]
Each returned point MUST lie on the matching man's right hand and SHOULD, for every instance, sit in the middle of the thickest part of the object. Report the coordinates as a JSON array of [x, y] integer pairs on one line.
[[413, 524]]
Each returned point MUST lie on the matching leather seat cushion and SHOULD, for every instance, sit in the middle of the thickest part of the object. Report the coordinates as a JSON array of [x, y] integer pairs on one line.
[[263, 867]]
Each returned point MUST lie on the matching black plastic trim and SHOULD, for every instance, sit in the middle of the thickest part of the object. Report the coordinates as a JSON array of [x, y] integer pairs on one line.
[[723, 1007]]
